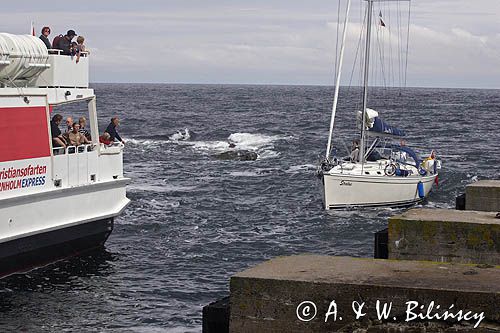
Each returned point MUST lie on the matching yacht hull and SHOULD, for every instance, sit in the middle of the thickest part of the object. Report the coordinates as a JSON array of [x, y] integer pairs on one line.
[[347, 190]]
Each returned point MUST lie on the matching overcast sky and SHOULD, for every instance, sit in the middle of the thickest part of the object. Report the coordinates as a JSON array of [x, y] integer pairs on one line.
[[453, 43]]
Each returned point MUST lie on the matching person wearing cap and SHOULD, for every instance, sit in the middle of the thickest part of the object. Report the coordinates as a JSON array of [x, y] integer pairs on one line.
[[45, 37], [64, 43]]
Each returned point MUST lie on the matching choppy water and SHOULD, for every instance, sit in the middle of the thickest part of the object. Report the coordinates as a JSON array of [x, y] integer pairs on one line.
[[195, 220]]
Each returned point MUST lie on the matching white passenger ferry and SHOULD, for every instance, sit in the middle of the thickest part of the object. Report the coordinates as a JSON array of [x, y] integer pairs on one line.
[[54, 202]]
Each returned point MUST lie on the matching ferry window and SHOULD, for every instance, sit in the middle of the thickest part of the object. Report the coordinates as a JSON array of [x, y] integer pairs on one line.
[[75, 127]]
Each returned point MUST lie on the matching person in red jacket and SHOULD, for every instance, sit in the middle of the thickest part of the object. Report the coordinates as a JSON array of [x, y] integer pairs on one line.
[[105, 139]]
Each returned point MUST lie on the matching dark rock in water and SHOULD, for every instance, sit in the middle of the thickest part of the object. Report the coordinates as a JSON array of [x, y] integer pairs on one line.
[[238, 155]]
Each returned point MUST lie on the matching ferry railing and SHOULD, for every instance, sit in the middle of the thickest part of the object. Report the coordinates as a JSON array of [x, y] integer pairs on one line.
[[58, 151], [76, 165], [64, 71], [59, 52], [111, 161], [114, 147]]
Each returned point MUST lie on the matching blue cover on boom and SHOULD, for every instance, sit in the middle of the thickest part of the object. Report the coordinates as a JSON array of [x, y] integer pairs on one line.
[[381, 126]]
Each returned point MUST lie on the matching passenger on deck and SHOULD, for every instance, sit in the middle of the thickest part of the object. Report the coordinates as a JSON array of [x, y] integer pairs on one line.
[[64, 43], [79, 47], [111, 129], [69, 124], [83, 122], [45, 37], [57, 139], [75, 137], [105, 139]]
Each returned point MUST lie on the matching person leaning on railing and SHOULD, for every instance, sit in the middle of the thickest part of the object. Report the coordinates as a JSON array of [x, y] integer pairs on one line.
[[111, 129], [105, 139], [79, 48]]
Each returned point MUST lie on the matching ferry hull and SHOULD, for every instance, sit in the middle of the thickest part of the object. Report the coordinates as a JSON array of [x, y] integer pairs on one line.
[[345, 191], [37, 250], [45, 227]]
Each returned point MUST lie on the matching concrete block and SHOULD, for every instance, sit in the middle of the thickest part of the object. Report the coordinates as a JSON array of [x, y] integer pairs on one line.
[[267, 298], [446, 236], [216, 317], [483, 195], [381, 250]]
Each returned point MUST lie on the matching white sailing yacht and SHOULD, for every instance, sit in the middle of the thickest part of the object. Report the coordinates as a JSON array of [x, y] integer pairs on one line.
[[377, 172]]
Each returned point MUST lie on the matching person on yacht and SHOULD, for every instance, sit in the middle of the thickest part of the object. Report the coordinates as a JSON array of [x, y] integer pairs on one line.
[[429, 162], [401, 155], [355, 151]]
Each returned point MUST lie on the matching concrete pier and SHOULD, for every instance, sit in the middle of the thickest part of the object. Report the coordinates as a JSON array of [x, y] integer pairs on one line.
[[445, 236], [266, 298], [453, 287], [483, 195]]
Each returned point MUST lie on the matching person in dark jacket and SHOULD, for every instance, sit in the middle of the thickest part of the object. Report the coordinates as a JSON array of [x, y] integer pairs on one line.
[[64, 44], [111, 129], [45, 37], [57, 139]]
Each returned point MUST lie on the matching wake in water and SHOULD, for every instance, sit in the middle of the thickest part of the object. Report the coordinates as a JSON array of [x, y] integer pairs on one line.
[[250, 143], [301, 168], [181, 135], [237, 146]]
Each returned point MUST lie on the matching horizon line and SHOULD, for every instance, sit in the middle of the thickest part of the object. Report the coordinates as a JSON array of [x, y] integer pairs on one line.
[[292, 85]]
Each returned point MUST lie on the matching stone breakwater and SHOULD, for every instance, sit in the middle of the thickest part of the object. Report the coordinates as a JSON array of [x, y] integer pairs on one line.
[[442, 275]]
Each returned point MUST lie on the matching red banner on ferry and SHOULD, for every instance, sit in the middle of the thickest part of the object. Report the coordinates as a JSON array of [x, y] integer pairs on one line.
[[24, 133]]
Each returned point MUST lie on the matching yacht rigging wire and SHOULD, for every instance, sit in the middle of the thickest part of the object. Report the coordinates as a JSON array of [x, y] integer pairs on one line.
[[337, 83], [399, 46], [387, 62], [407, 43], [337, 39]]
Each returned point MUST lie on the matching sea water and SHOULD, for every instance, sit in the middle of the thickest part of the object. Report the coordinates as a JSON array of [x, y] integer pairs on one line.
[[195, 220]]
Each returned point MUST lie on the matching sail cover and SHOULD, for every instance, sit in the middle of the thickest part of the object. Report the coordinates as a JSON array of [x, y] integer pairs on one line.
[[381, 126], [375, 124]]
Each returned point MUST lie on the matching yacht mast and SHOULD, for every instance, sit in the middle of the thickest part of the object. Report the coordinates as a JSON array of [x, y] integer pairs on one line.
[[365, 82], [362, 147], [337, 82]]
